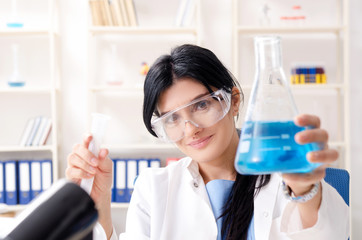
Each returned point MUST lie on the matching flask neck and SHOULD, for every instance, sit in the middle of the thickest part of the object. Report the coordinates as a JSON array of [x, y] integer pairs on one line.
[[268, 53]]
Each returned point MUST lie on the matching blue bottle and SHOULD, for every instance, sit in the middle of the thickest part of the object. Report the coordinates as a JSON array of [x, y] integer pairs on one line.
[[267, 142]]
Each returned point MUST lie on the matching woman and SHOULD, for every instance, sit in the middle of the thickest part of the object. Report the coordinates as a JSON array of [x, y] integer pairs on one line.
[[191, 99]]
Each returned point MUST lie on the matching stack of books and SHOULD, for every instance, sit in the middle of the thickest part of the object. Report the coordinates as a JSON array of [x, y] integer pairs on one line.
[[113, 13], [308, 74], [36, 132]]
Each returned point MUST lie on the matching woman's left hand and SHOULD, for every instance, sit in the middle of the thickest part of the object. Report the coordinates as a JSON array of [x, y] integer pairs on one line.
[[302, 183]]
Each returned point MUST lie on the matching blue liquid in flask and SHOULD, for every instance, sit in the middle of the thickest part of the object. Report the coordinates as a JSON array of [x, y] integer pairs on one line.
[[267, 147]]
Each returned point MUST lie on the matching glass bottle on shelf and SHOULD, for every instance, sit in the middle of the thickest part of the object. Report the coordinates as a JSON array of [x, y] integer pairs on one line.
[[267, 140], [15, 79], [14, 21]]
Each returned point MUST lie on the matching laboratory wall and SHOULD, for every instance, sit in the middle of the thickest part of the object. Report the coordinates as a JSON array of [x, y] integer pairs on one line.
[[217, 35]]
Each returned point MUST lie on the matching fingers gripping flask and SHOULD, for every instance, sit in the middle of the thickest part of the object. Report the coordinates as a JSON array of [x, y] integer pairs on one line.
[[267, 142]]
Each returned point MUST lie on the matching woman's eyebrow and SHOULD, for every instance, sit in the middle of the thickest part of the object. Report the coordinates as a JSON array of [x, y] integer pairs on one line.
[[196, 97]]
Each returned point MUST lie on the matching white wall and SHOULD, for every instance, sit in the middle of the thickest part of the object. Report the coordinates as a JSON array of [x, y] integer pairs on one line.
[[217, 37]]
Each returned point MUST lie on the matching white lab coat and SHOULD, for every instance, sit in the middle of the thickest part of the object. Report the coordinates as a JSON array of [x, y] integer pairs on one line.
[[172, 203]]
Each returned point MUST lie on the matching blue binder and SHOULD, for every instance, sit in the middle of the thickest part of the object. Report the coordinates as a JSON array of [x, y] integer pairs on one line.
[[35, 176], [120, 177], [46, 174], [143, 164], [132, 172], [24, 181], [154, 163], [113, 189], [11, 187], [2, 181]]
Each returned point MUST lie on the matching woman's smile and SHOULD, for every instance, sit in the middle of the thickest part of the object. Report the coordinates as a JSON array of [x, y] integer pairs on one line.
[[200, 143]]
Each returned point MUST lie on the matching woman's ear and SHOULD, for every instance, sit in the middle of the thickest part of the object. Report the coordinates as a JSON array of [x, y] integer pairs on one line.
[[235, 100]]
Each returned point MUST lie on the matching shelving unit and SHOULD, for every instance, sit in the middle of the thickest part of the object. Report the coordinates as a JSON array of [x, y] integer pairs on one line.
[[339, 88], [263, 30], [129, 92], [47, 90], [120, 205]]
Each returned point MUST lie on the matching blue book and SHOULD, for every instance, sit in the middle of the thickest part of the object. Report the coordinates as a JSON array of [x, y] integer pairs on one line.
[[120, 180], [11, 188], [24, 181], [313, 72], [2, 180], [35, 176], [132, 172], [46, 174]]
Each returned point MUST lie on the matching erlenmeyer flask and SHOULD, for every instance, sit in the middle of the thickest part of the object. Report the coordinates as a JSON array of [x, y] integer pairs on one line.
[[267, 140]]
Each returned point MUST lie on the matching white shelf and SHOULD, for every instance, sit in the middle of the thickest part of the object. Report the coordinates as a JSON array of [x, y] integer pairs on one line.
[[250, 30], [25, 89], [119, 205], [131, 147], [142, 30], [328, 86], [11, 208], [120, 90], [26, 31], [26, 149]]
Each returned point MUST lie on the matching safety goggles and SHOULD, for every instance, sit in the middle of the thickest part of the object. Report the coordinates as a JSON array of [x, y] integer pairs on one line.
[[202, 112]]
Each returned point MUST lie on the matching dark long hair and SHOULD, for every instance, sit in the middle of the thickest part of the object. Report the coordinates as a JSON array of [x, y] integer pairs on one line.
[[200, 64]]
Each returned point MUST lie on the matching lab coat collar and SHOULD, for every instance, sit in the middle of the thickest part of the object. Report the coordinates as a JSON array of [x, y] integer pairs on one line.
[[193, 168], [198, 186], [196, 180]]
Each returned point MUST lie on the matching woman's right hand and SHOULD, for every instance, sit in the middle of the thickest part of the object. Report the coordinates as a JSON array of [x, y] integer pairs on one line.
[[82, 163]]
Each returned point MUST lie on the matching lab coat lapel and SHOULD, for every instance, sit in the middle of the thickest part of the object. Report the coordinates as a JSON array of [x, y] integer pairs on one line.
[[205, 217], [197, 183], [263, 208]]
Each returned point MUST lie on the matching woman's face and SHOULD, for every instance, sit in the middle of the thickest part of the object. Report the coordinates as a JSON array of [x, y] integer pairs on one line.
[[201, 144]]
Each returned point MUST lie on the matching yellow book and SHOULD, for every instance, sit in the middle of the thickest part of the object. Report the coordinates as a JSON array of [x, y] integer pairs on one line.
[[324, 78], [302, 79], [296, 76], [294, 79], [318, 78]]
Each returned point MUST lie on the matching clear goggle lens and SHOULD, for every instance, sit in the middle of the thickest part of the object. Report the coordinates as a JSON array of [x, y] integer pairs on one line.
[[202, 113]]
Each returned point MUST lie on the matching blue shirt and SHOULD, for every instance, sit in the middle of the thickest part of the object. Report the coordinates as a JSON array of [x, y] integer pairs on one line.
[[219, 191]]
